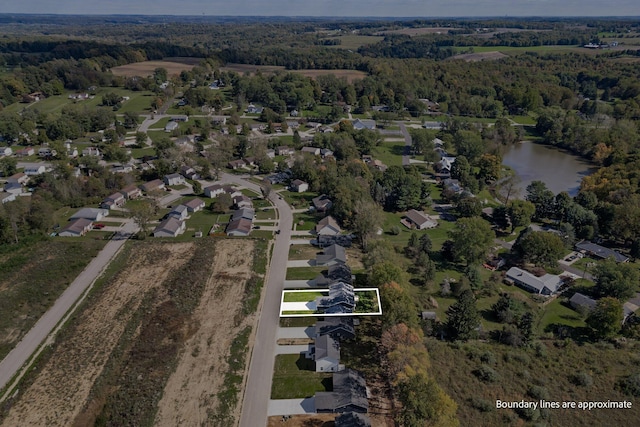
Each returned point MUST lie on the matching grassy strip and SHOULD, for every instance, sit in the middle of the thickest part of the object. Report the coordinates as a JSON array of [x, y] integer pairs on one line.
[[32, 277], [228, 396], [302, 296], [304, 273]]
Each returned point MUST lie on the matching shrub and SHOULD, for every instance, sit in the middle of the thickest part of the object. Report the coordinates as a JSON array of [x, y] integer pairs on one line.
[[538, 392], [488, 357], [486, 374], [582, 379], [528, 414], [630, 385], [395, 230], [482, 405]]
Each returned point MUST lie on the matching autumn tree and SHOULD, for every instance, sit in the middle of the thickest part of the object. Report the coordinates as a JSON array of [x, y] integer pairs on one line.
[[425, 403]]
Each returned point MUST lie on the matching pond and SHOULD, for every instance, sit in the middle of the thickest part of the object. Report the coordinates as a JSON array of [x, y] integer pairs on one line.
[[558, 169]]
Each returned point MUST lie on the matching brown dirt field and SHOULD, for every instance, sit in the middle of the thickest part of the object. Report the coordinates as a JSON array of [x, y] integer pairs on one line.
[[146, 68], [61, 389], [190, 394], [350, 75], [480, 56], [318, 420]]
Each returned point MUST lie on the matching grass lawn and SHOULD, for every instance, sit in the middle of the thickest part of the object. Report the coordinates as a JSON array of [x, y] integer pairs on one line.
[[297, 322], [137, 153], [269, 214], [294, 377], [389, 152], [303, 252], [304, 221], [298, 200], [524, 120], [557, 312], [303, 273], [302, 296]]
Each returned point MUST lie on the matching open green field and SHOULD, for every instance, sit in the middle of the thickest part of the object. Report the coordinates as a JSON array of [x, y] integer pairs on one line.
[[354, 41], [389, 152], [32, 276], [294, 377], [516, 50]]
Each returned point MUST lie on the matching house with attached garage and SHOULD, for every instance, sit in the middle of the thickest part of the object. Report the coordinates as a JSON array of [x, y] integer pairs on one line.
[[151, 186], [328, 226], [131, 192], [180, 212], [7, 197], [113, 201], [352, 419], [298, 186], [13, 187], [325, 351], [331, 255], [213, 191], [19, 177], [601, 252], [170, 227], [6, 151], [283, 150], [171, 126], [417, 220], [311, 150], [91, 213], [236, 164], [239, 227], [349, 394], [76, 228], [548, 284], [582, 302], [194, 205], [242, 201], [335, 273], [25, 152], [35, 169], [173, 179], [341, 299], [322, 203], [340, 328], [359, 124]]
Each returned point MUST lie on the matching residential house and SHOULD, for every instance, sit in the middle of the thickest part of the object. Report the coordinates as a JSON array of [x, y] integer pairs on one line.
[[131, 192], [19, 177], [13, 187], [284, 151], [173, 179], [76, 228], [189, 173], [179, 212], [170, 227], [278, 178], [46, 152], [180, 118], [582, 302], [326, 353], [322, 203], [7, 197], [271, 153], [446, 163], [194, 205], [598, 251], [325, 153], [250, 161], [122, 168], [298, 186], [6, 151], [336, 327], [631, 306], [91, 151], [328, 226], [336, 273], [239, 227], [452, 185], [242, 201], [349, 394], [429, 315], [232, 191], [35, 169], [293, 124], [91, 213], [325, 240], [252, 109], [548, 284], [352, 419], [25, 152], [114, 200], [236, 164], [213, 191], [341, 299], [359, 124], [418, 220], [151, 186], [311, 150], [243, 213], [171, 126]]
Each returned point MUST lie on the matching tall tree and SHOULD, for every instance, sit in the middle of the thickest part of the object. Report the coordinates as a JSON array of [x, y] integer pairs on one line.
[[520, 213], [616, 280], [539, 247], [605, 320], [463, 317], [472, 238], [367, 219]]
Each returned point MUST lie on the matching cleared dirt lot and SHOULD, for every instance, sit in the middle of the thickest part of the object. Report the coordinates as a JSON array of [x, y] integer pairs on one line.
[[190, 395], [174, 67], [58, 393]]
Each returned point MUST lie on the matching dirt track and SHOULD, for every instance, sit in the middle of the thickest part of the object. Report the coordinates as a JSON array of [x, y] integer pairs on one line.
[[190, 394], [61, 389]]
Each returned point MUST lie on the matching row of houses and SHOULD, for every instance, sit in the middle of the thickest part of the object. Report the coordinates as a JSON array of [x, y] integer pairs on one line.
[[82, 222], [174, 223]]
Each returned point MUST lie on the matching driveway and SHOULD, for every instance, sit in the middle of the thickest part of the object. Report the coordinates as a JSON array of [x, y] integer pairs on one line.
[[290, 349], [302, 332], [291, 407], [301, 263], [407, 145], [296, 284], [301, 241]]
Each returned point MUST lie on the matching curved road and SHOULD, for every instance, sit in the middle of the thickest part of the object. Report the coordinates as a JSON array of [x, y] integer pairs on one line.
[[258, 386], [12, 363]]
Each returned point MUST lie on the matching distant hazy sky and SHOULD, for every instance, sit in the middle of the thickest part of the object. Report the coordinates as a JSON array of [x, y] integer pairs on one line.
[[390, 8]]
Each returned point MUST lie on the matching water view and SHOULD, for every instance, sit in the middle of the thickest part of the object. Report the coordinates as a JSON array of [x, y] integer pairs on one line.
[[558, 169]]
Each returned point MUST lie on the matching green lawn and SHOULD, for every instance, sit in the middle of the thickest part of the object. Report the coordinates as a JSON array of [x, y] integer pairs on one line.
[[269, 214], [303, 273], [557, 312], [389, 152], [298, 200], [304, 221], [302, 296], [294, 377], [137, 153]]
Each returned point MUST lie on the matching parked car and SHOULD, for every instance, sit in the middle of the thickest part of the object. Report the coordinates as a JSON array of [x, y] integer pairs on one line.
[[98, 226]]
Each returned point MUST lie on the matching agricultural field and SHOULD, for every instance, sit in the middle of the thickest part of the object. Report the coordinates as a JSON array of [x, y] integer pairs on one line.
[[350, 75], [151, 313], [354, 41], [146, 68], [32, 277]]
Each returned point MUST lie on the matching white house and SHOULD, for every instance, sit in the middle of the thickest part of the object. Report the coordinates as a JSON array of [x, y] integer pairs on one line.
[[418, 220], [91, 213], [170, 227], [36, 169], [171, 126], [548, 284], [213, 190], [179, 212], [7, 197], [5, 151], [326, 353], [91, 151], [174, 179], [299, 186], [328, 226], [194, 205], [76, 228]]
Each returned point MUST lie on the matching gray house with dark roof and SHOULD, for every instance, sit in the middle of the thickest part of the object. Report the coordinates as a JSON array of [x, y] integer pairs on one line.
[[600, 251], [582, 302], [336, 327], [349, 394], [331, 255], [548, 284], [326, 353], [341, 299]]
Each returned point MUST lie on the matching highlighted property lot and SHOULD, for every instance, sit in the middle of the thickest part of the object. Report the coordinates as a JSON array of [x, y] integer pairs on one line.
[[309, 303]]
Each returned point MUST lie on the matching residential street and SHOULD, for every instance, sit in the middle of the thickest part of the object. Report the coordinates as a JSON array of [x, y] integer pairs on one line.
[[407, 145], [258, 387], [12, 363]]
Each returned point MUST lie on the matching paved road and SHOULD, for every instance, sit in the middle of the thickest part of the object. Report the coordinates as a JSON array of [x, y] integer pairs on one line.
[[406, 155], [258, 387], [12, 363]]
